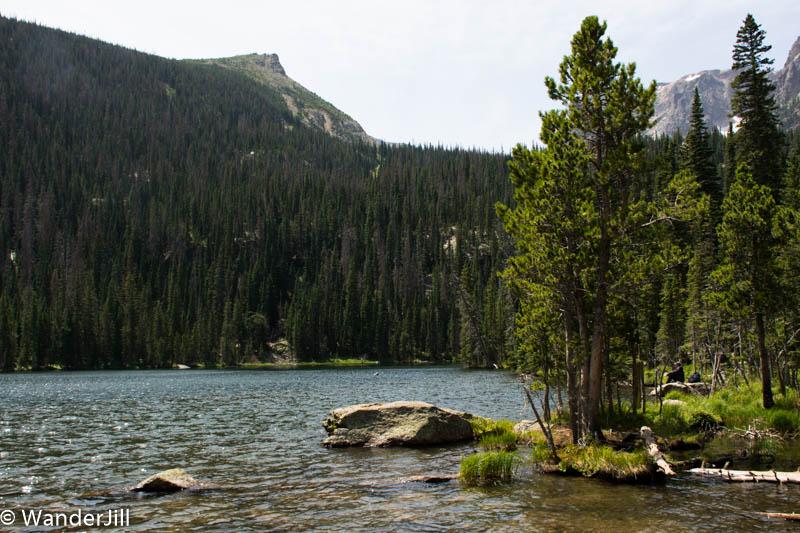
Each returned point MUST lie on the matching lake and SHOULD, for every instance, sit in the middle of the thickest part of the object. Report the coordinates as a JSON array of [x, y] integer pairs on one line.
[[74, 441]]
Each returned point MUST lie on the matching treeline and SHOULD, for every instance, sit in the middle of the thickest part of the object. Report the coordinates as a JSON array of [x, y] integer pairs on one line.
[[634, 250], [155, 212]]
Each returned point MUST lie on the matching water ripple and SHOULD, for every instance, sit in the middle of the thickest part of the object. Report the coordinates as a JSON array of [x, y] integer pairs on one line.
[[76, 440]]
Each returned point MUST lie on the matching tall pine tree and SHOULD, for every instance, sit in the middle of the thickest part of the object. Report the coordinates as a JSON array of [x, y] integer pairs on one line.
[[759, 140]]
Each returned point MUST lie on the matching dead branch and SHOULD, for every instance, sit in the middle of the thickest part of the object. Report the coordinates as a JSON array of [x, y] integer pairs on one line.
[[655, 453]]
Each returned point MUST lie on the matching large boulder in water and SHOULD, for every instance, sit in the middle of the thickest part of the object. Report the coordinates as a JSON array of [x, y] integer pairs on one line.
[[173, 480], [396, 424]]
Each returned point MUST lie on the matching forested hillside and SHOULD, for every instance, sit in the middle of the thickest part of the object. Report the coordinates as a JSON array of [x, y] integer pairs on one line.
[[155, 212]]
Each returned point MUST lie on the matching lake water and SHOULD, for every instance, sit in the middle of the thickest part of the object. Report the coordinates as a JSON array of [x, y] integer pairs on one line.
[[75, 441]]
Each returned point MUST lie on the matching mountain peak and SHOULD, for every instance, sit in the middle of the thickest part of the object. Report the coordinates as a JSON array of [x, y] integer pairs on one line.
[[674, 99], [269, 62], [312, 110], [794, 54]]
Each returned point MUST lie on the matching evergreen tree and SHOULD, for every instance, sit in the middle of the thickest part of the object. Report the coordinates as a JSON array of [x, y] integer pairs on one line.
[[758, 141], [672, 320], [746, 276], [698, 155], [607, 107]]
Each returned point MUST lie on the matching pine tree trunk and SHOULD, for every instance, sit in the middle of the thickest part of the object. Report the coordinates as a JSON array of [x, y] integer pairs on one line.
[[597, 355], [572, 379], [766, 381]]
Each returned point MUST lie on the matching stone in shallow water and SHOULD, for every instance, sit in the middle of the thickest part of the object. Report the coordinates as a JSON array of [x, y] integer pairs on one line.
[[172, 480], [396, 424]]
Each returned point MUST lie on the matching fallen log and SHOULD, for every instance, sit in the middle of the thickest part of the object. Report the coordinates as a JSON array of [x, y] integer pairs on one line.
[[784, 516], [655, 453], [444, 478], [756, 476]]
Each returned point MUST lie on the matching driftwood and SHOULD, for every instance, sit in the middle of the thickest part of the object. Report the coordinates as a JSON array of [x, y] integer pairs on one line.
[[444, 478], [769, 476], [655, 453], [784, 516]]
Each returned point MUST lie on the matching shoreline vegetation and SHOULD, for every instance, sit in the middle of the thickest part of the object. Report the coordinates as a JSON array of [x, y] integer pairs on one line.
[[334, 362], [690, 433]]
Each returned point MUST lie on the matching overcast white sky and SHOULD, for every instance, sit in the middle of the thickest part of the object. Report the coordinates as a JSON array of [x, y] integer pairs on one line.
[[459, 73]]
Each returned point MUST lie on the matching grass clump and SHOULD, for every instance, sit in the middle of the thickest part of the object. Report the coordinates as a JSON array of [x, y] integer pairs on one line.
[[488, 467], [494, 434], [506, 440], [604, 462], [482, 426], [784, 420], [540, 451]]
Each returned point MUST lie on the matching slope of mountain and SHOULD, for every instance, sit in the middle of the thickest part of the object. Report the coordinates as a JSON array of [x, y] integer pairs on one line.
[[312, 110], [674, 100], [155, 212]]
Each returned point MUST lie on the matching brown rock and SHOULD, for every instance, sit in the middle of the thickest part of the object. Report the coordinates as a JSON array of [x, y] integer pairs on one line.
[[173, 480], [396, 424]]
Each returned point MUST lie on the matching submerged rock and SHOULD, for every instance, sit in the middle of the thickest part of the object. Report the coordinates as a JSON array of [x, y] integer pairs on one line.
[[173, 480], [396, 424]]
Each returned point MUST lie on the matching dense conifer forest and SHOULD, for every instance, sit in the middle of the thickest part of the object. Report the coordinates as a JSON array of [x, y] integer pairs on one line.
[[156, 212]]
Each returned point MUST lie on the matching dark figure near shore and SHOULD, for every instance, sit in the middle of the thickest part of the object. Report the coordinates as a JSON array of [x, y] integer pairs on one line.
[[677, 375]]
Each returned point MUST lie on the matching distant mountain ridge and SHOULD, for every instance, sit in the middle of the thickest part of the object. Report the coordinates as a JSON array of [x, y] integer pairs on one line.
[[305, 105], [674, 100]]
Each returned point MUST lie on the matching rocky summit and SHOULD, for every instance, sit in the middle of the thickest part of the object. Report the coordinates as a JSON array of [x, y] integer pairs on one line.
[[396, 424], [312, 110], [674, 100]]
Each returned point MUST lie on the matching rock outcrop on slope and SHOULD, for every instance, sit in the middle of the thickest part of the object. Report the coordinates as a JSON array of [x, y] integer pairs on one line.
[[396, 424], [312, 110], [674, 100]]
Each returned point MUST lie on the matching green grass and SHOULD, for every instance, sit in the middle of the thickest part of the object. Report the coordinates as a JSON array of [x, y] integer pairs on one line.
[[734, 407], [540, 451], [494, 434], [311, 364], [507, 440], [602, 461], [482, 426], [488, 467]]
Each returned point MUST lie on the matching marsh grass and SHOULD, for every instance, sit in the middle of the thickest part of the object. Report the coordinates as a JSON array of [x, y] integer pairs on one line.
[[506, 440], [488, 467], [494, 434], [482, 426], [604, 462], [733, 407], [333, 362]]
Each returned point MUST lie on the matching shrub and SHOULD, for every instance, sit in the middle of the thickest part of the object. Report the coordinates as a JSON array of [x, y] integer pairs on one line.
[[702, 422], [783, 420]]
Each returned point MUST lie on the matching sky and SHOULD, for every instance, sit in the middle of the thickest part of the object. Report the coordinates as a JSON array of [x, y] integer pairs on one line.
[[467, 73]]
